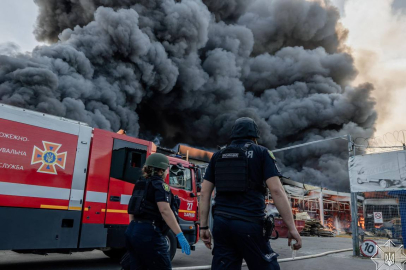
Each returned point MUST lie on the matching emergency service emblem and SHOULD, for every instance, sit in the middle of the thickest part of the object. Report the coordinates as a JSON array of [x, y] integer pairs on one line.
[[387, 256], [166, 187], [49, 157], [271, 154]]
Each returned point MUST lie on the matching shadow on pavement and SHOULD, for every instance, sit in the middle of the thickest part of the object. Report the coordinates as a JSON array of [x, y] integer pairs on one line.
[[68, 264]]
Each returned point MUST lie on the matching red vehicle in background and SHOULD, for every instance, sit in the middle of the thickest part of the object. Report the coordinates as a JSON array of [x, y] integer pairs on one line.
[[65, 186]]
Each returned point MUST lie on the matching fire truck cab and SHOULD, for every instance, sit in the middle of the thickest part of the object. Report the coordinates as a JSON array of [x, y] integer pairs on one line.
[[65, 186]]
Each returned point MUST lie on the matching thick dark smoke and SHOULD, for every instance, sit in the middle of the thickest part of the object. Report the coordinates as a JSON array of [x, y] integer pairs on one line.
[[185, 70]]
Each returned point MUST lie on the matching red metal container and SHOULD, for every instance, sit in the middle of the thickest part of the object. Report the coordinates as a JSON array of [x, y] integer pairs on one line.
[[282, 228]]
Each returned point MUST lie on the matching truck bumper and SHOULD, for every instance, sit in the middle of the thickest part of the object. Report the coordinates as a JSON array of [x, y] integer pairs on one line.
[[189, 229]]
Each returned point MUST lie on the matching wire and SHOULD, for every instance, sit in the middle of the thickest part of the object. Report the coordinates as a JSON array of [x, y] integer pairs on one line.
[[390, 140], [363, 146]]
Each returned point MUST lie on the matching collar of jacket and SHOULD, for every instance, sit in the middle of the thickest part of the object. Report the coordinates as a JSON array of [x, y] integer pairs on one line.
[[155, 177], [241, 141]]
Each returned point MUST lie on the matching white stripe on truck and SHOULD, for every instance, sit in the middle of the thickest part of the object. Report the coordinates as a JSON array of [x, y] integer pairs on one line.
[[14, 189], [76, 195], [99, 197], [125, 199]]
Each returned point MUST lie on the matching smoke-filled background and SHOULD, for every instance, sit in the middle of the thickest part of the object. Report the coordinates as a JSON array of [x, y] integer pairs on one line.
[[184, 71]]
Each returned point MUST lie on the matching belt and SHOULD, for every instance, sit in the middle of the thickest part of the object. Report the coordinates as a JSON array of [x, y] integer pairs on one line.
[[144, 221], [240, 217]]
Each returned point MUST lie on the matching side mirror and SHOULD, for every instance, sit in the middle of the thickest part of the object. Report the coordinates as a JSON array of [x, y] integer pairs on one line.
[[192, 195], [199, 175], [198, 187], [180, 166]]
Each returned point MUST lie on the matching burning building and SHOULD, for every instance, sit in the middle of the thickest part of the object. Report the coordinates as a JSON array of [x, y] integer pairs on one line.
[[330, 208]]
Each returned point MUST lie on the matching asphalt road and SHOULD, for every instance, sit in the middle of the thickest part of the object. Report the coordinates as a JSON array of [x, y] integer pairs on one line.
[[97, 260]]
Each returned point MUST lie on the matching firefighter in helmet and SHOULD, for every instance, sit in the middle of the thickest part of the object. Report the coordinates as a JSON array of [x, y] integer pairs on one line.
[[241, 172], [152, 214]]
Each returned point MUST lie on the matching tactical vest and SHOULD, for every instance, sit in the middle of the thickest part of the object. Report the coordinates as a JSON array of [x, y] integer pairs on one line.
[[232, 171], [139, 205]]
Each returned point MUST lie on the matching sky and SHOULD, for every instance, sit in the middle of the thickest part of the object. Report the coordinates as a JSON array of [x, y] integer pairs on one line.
[[17, 19], [376, 39]]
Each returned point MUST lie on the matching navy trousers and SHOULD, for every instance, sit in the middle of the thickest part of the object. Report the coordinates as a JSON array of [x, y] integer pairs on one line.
[[147, 247], [235, 240]]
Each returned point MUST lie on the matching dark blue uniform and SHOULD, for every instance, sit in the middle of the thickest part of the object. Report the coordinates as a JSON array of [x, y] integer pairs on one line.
[[236, 239], [145, 241]]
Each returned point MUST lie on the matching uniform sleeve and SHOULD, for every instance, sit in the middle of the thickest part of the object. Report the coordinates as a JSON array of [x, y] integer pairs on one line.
[[209, 175], [270, 169], [162, 191]]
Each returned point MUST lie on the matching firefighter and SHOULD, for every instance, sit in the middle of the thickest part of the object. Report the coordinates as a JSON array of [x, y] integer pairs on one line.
[[240, 173], [150, 216]]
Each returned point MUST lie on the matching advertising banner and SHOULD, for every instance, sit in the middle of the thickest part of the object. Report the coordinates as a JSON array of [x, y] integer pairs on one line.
[[378, 172]]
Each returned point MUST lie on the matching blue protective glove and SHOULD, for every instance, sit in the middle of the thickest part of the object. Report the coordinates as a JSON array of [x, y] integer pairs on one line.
[[183, 243]]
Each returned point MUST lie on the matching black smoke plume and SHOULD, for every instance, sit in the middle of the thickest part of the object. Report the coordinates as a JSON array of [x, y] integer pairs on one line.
[[185, 70]]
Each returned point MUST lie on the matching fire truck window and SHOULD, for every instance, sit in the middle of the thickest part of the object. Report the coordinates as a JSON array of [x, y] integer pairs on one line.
[[136, 160], [118, 163], [127, 161], [180, 178], [133, 166]]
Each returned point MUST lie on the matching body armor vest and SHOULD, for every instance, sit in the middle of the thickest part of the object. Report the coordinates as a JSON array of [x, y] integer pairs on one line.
[[139, 205], [232, 171]]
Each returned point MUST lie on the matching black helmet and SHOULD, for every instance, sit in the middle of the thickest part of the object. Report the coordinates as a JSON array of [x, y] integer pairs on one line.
[[244, 127]]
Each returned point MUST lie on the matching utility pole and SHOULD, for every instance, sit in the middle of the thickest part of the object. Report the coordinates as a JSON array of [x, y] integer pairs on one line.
[[354, 206]]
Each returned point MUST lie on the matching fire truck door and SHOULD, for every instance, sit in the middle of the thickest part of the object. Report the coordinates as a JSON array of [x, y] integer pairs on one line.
[[181, 182], [128, 158]]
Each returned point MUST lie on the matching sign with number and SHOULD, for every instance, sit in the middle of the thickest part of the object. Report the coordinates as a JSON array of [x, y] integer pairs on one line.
[[378, 217], [369, 248]]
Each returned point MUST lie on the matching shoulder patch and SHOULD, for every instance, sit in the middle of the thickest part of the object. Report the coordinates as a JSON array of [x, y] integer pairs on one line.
[[271, 154], [166, 187]]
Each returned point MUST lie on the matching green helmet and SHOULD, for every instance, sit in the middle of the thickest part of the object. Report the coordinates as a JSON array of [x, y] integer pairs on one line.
[[157, 160]]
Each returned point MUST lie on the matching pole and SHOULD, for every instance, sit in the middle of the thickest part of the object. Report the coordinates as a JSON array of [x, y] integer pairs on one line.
[[321, 207], [354, 207], [354, 224]]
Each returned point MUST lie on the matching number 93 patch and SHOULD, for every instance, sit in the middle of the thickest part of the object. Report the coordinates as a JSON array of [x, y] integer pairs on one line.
[[166, 187]]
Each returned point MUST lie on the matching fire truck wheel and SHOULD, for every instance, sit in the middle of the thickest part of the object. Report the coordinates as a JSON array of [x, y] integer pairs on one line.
[[383, 183], [172, 243], [115, 253]]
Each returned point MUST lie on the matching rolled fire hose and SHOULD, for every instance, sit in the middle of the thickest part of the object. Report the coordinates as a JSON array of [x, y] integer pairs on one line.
[[203, 267]]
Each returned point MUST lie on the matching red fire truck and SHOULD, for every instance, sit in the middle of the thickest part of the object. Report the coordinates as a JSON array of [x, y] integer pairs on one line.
[[65, 186]]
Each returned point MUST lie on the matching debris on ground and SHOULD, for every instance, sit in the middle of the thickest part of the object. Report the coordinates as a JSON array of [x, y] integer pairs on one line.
[[313, 227]]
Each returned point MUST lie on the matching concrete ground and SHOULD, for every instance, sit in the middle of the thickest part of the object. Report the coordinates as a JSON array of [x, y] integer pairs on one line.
[[96, 260], [311, 245]]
